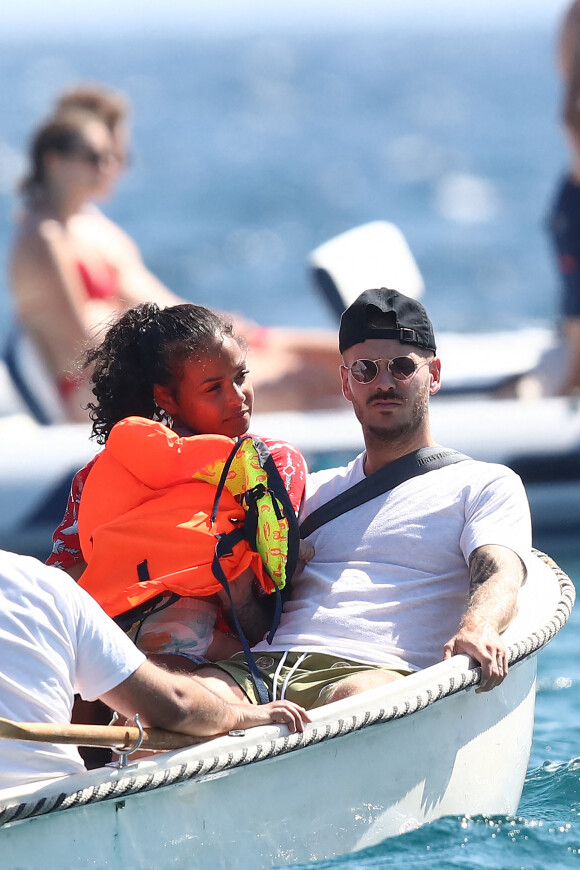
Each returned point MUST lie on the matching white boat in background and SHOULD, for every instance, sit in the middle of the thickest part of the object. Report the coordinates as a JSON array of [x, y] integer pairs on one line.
[[538, 437], [376, 254], [369, 767]]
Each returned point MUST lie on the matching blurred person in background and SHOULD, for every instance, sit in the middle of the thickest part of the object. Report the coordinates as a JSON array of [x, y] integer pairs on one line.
[[72, 267], [564, 225]]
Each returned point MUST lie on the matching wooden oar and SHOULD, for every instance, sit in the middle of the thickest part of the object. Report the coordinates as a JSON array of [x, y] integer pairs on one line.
[[119, 737]]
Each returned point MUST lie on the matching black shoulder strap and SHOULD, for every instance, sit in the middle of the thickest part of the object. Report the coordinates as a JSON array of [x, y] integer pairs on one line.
[[382, 480]]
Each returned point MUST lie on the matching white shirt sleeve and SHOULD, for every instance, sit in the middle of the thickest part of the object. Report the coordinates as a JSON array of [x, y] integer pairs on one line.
[[105, 655], [498, 514]]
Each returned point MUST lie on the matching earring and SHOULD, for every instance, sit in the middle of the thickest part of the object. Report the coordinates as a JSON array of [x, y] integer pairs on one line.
[[163, 416]]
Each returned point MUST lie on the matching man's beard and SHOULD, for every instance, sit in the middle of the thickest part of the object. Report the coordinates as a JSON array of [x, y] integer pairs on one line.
[[393, 431]]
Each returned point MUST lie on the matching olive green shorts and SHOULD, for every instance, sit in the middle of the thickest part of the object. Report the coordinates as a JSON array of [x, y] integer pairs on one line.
[[305, 678]]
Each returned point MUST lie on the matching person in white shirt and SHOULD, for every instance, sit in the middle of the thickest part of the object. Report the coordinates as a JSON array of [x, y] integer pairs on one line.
[[56, 641], [426, 570]]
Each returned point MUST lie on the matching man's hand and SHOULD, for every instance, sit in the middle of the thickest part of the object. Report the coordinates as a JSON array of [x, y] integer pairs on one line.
[[496, 574], [305, 554], [274, 713], [482, 643]]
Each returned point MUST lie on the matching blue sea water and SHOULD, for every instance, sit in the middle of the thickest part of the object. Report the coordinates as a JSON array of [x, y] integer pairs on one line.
[[249, 152]]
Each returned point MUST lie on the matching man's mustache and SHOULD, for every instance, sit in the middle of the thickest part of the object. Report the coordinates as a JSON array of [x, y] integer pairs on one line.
[[386, 395]]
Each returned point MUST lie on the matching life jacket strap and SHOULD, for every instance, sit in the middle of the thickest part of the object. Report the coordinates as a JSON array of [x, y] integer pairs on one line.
[[127, 620], [224, 545], [224, 475]]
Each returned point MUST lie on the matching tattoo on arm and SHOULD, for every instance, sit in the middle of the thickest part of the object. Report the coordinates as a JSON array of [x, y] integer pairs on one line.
[[483, 564], [496, 573]]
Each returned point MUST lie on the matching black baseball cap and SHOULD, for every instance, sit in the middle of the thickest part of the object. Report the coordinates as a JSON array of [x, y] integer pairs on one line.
[[386, 314]]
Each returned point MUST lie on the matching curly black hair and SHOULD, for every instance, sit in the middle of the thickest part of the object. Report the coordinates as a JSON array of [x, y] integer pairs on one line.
[[147, 345]]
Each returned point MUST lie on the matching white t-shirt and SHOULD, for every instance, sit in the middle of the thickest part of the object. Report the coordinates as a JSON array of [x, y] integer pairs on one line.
[[389, 580], [55, 641]]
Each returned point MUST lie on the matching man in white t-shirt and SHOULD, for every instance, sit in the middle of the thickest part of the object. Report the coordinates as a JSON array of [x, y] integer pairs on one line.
[[426, 570], [55, 641]]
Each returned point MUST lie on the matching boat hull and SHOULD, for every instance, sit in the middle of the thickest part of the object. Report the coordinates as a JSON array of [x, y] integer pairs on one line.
[[339, 796], [368, 767]]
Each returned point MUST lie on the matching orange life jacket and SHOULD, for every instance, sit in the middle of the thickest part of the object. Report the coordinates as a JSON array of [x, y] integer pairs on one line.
[[145, 517]]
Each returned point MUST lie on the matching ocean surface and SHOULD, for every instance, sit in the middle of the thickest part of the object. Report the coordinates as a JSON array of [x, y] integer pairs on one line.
[[249, 152]]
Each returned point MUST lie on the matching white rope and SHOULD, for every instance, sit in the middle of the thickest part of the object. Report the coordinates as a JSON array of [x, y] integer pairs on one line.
[[277, 674], [290, 673]]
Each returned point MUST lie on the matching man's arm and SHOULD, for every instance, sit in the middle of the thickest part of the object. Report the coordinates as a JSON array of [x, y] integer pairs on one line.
[[496, 574], [179, 703]]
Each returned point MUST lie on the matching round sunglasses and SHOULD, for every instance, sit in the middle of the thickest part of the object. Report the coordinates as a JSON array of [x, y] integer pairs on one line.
[[401, 368]]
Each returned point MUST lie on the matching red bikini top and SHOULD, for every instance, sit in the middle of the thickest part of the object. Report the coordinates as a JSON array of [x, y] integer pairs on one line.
[[101, 282]]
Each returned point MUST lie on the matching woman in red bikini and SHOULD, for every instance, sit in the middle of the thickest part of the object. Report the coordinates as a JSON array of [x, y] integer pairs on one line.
[[71, 267]]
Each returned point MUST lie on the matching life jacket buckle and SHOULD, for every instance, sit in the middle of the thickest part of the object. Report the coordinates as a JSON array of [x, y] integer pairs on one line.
[[256, 493]]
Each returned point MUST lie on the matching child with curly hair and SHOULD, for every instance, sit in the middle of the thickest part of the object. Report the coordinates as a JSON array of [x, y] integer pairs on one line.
[[184, 367]]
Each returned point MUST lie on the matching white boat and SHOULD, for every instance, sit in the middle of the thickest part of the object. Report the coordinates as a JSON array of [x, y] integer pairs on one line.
[[539, 438], [376, 254], [369, 767]]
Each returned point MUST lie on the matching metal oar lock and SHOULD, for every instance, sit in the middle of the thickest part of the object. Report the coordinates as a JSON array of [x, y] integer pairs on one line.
[[125, 752]]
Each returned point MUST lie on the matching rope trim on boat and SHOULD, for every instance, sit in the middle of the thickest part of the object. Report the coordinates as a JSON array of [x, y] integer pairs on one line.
[[141, 782]]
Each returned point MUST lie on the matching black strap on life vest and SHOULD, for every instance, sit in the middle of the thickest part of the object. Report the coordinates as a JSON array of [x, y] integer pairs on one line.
[[127, 620], [379, 482], [250, 498], [230, 539], [224, 546], [224, 476]]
